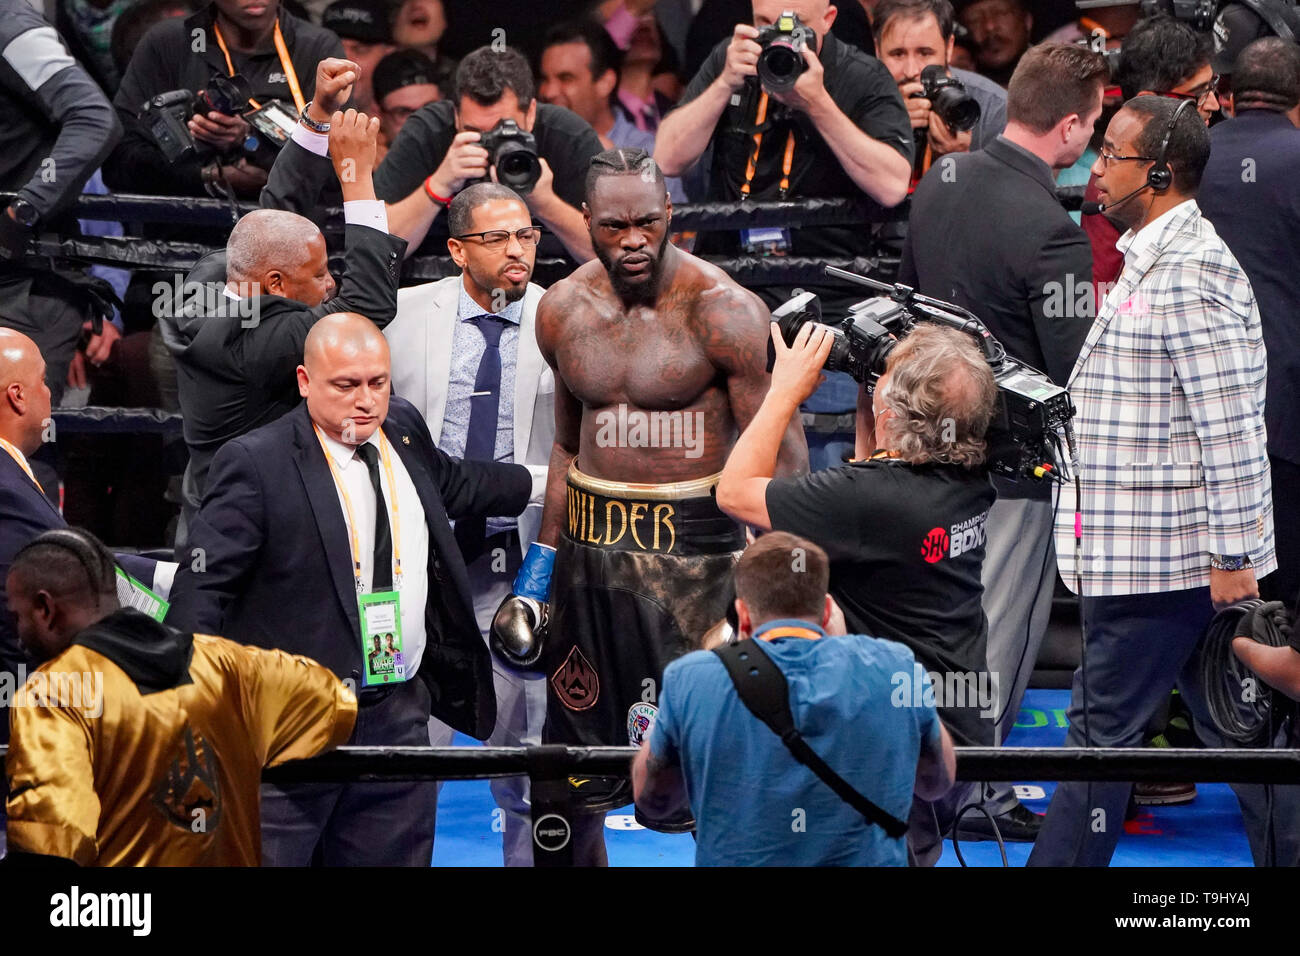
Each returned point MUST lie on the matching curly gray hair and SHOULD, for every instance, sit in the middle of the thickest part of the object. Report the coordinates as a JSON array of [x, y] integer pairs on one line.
[[941, 393]]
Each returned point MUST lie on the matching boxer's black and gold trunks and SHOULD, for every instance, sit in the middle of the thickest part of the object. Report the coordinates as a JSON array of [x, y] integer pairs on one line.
[[641, 573], [680, 518]]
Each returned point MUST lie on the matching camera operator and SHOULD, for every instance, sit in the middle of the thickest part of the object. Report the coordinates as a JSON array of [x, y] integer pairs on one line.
[[904, 527], [988, 233], [57, 128], [912, 35], [843, 688], [274, 51], [442, 147], [840, 131]]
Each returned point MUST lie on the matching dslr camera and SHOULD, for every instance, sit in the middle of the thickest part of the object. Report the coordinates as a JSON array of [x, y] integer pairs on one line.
[[513, 152], [948, 98], [167, 115], [781, 61], [1032, 413]]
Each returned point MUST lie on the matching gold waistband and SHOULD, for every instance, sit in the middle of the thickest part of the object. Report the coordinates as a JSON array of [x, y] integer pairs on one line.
[[670, 491]]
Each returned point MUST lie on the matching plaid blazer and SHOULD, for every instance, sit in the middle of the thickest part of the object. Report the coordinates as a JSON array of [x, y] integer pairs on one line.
[[1170, 390]]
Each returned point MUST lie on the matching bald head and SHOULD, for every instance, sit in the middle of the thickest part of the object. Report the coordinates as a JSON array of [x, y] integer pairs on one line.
[[813, 13], [25, 409], [278, 253], [344, 376]]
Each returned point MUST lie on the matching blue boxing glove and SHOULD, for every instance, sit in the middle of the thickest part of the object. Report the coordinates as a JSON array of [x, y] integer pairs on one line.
[[518, 632]]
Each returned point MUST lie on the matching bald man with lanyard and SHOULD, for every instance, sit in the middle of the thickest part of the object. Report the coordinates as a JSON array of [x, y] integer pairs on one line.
[[330, 527]]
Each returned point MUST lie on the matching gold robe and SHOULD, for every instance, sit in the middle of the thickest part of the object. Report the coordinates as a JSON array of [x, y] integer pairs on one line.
[[104, 775]]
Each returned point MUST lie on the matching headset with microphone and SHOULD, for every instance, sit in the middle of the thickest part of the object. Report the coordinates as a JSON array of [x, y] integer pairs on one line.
[[1159, 177]]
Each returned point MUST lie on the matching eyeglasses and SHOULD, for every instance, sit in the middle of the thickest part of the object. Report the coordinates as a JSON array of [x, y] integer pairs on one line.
[[496, 239], [1108, 158], [1200, 96]]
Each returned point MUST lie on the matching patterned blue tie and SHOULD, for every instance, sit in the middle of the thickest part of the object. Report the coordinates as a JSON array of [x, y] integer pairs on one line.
[[481, 440]]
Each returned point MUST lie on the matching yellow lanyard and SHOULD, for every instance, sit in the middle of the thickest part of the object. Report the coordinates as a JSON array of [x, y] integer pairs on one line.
[[347, 506], [285, 62], [752, 166], [18, 457]]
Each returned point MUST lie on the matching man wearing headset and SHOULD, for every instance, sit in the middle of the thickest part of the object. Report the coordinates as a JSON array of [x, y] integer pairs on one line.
[[1177, 517]]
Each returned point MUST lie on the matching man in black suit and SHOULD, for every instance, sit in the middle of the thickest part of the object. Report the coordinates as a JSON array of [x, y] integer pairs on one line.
[[987, 233], [1252, 196], [236, 350], [308, 520]]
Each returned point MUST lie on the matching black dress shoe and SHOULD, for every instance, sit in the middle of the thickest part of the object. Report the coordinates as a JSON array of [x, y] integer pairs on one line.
[[1017, 825]]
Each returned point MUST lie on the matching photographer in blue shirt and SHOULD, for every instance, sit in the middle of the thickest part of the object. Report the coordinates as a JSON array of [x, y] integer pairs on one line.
[[863, 705]]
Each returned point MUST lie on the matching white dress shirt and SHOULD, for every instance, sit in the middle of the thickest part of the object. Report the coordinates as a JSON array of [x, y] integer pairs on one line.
[[357, 212], [410, 534]]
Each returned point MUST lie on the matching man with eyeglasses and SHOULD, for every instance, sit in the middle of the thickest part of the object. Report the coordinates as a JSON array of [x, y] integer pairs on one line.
[[465, 354], [1164, 56], [1177, 517]]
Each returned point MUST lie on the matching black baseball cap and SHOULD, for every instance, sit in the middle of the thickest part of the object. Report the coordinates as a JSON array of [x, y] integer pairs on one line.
[[369, 21], [408, 68]]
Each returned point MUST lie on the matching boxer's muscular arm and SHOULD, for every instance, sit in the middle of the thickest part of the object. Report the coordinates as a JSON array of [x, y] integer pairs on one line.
[[568, 414], [739, 323]]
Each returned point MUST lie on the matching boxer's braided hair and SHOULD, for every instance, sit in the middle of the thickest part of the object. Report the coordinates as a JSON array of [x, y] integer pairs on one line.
[[622, 162]]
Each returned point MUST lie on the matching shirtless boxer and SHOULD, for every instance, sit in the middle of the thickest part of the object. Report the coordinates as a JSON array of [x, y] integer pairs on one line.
[[659, 362]]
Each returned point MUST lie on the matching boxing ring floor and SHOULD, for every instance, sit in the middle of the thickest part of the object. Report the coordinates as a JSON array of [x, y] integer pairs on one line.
[[1206, 832]]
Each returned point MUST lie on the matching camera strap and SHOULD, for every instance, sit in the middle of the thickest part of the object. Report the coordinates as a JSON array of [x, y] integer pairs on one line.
[[760, 118], [764, 691], [290, 75]]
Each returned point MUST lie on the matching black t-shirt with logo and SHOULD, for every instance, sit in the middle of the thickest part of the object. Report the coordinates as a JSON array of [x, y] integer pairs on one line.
[[906, 545], [860, 86]]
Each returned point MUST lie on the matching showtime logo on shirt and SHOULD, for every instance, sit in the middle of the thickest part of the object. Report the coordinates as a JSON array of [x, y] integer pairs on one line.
[[962, 537]]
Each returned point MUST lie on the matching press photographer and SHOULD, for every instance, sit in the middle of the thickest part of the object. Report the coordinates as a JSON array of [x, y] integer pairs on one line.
[[841, 130], [952, 110], [495, 128], [904, 527], [272, 52]]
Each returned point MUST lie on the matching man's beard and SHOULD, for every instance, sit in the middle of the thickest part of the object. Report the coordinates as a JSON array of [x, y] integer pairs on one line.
[[634, 293]]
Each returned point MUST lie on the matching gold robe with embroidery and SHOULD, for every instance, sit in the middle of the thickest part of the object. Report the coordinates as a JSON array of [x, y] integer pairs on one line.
[[105, 775]]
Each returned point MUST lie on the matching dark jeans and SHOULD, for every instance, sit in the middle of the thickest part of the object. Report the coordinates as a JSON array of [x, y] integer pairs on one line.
[[1137, 648], [359, 824]]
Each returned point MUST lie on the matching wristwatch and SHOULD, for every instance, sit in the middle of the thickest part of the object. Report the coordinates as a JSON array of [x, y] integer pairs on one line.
[[1230, 562], [25, 213], [310, 123]]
